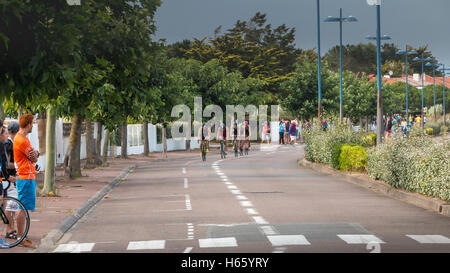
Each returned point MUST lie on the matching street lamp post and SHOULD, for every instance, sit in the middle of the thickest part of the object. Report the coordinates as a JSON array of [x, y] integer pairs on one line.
[[340, 19], [406, 53], [434, 65], [422, 60], [378, 38], [319, 80], [444, 70]]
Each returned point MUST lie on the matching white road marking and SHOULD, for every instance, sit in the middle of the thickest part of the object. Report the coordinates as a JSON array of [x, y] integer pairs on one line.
[[279, 250], [228, 183], [232, 187], [238, 192], [241, 197], [430, 239], [268, 230], [184, 170], [285, 240], [142, 245], [360, 238], [252, 211], [75, 247], [186, 183], [218, 242], [188, 250], [188, 202], [220, 173], [260, 220], [223, 176], [246, 204]]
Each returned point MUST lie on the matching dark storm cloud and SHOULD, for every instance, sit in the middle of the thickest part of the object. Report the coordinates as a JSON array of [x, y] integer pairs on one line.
[[415, 22]]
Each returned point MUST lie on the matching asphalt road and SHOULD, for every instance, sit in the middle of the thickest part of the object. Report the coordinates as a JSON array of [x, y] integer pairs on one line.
[[259, 203]]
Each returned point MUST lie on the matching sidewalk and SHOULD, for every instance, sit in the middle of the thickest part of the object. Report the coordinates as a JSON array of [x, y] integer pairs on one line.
[[72, 194]]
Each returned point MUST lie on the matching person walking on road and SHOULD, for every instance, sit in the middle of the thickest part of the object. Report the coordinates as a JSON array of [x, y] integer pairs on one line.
[[281, 132], [25, 157], [292, 132], [265, 134]]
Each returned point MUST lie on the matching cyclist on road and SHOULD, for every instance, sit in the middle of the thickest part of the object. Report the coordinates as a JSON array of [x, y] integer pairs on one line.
[[235, 134], [222, 135], [204, 134], [247, 133]]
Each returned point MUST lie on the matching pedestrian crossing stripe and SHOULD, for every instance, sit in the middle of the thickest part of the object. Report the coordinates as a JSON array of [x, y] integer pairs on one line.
[[75, 247], [286, 240], [218, 242], [430, 239], [272, 236], [146, 245], [360, 238]]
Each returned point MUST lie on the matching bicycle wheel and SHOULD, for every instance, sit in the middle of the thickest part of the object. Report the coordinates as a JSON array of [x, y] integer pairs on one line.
[[9, 210], [204, 152]]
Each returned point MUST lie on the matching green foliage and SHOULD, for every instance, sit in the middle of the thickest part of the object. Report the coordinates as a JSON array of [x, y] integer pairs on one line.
[[324, 146], [414, 164], [352, 158], [370, 140], [300, 93], [433, 128]]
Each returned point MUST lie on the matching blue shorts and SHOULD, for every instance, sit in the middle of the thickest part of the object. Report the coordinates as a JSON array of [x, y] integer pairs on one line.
[[26, 191]]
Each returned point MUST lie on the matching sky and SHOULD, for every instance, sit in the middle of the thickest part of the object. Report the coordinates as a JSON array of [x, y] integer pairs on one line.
[[412, 22]]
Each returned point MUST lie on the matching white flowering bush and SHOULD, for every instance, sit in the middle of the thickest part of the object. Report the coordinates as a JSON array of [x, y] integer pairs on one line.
[[415, 164], [321, 145]]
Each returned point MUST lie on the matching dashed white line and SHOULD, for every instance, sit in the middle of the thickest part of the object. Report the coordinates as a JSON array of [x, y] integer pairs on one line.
[[252, 211], [188, 202], [75, 247], [238, 192], [184, 170], [246, 204], [232, 187], [241, 197], [260, 220], [186, 185]]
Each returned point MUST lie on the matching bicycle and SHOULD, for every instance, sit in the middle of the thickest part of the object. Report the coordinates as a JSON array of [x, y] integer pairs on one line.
[[9, 207], [222, 149], [203, 150], [235, 147]]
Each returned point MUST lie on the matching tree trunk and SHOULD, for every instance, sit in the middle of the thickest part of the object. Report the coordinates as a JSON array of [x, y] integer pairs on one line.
[[49, 180], [73, 168], [42, 121], [146, 144], [90, 162], [98, 145], [164, 142], [105, 147], [124, 142], [2, 112]]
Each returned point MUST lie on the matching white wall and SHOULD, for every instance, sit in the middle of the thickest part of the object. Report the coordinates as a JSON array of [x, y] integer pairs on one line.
[[134, 146]]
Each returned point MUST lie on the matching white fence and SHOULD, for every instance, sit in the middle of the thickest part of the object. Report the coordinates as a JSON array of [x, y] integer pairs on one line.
[[135, 144]]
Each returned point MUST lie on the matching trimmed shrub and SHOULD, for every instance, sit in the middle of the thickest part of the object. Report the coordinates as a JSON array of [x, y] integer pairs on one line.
[[370, 140], [321, 145], [352, 158], [436, 126]]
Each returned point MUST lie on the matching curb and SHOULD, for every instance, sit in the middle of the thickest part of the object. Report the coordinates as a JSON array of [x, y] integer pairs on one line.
[[49, 241], [429, 203]]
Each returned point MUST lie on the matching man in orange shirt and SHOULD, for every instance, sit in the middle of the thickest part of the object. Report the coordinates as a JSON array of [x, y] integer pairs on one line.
[[25, 157]]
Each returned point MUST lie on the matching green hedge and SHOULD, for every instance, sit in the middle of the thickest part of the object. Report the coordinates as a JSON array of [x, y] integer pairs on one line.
[[323, 146], [370, 139], [352, 158]]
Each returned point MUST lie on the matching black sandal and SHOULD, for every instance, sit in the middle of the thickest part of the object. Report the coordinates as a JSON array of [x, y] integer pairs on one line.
[[11, 235]]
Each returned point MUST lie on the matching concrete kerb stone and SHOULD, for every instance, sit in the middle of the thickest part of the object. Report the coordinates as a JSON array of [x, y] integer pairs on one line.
[[416, 199], [49, 241]]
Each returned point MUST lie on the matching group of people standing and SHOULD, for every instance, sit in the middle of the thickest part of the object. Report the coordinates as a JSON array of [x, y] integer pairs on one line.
[[18, 169], [396, 124], [289, 130]]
